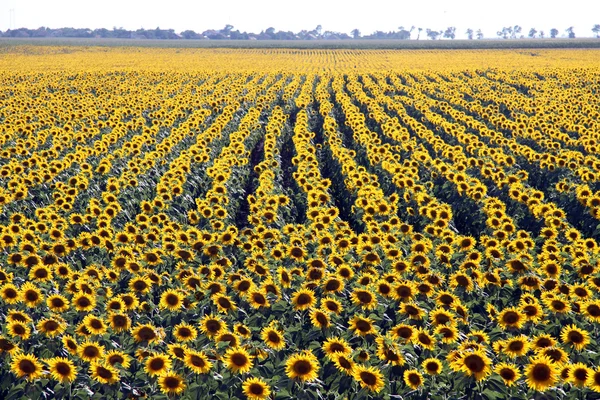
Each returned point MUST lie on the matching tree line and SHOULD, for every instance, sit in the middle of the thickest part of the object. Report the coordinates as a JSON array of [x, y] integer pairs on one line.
[[228, 33]]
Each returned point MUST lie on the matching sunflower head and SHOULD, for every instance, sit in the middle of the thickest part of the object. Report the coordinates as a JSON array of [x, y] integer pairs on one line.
[[541, 373], [256, 389], [302, 366]]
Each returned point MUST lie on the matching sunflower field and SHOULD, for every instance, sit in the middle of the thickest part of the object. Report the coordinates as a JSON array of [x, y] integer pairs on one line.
[[314, 224]]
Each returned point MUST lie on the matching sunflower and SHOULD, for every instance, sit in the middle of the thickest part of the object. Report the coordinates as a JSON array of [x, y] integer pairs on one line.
[[140, 284], [440, 316], [256, 389], [364, 298], [171, 383], [331, 304], [145, 333], [412, 310], [184, 332], [26, 365], [40, 273], [62, 369], [224, 303], [343, 363], [462, 280], [479, 336], [474, 363], [157, 364], [424, 339], [51, 326], [389, 351], [403, 332], [319, 318], [197, 361], [369, 377], [446, 298], [345, 271], [541, 373], [516, 346], [511, 317], [273, 338], [94, 325], [303, 366], [332, 284], [413, 378], [171, 300], [90, 351], [114, 357], [31, 295], [362, 326], [285, 278], [84, 302], [18, 329], [384, 288], [591, 310], [9, 293], [303, 299], [533, 312], [578, 374], [242, 330], [296, 253], [227, 337], [238, 360], [542, 341], [555, 354], [576, 337], [508, 372], [106, 374], [593, 380], [119, 322], [558, 304], [257, 298], [336, 345], [7, 346], [57, 303], [432, 366], [18, 316], [449, 333], [404, 290], [177, 350], [70, 344], [211, 325]]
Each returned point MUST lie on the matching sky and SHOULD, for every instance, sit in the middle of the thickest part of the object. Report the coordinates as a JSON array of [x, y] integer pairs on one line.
[[333, 15]]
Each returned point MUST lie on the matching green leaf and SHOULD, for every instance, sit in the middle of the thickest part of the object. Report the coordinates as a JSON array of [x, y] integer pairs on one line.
[[493, 395], [282, 394]]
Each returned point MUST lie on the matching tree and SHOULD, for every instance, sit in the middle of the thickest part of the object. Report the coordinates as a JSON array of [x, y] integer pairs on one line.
[[189, 34], [433, 35], [419, 34], [542, 34], [403, 33], [270, 32], [515, 31], [479, 34], [553, 33], [226, 30], [532, 33], [570, 32], [450, 32], [596, 30], [505, 32], [469, 34], [355, 33]]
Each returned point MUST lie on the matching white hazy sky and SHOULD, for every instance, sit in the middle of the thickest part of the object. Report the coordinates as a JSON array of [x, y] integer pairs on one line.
[[334, 15]]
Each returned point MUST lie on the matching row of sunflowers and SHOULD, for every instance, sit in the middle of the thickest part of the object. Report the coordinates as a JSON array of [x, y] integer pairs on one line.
[[297, 224]]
